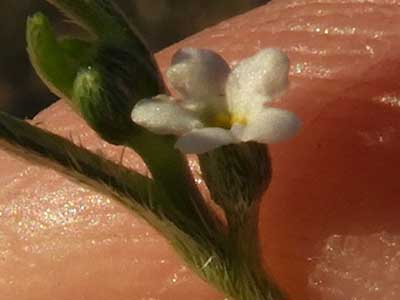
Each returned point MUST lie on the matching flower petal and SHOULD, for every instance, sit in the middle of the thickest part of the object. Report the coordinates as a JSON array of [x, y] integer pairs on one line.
[[256, 80], [203, 140], [162, 115], [268, 126], [198, 73]]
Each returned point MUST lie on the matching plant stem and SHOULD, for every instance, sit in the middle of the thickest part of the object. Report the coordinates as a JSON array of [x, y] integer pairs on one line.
[[232, 264], [170, 169]]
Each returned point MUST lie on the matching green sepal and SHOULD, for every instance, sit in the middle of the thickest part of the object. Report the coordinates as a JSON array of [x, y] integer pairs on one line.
[[236, 176], [106, 90], [106, 112]]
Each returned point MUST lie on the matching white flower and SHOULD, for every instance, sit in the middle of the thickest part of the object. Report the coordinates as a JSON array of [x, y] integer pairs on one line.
[[220, 106]]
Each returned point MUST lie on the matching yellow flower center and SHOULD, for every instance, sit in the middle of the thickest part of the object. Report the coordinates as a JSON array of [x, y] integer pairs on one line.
[[238, 120], [225, 120]]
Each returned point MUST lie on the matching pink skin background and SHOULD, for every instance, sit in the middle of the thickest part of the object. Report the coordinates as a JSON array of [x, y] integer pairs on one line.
[[60, 240]]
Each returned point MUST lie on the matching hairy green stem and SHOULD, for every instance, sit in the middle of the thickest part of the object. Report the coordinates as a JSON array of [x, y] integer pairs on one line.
[[170, 169], [229, 268]]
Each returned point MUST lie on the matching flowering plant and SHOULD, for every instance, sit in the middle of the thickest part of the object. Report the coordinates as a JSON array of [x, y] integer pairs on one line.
[[110, 79]]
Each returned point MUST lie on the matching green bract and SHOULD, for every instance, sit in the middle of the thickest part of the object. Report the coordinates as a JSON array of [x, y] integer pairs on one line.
[[112, 66]]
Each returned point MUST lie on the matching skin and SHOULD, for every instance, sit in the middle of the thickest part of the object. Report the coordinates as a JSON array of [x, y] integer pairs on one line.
[[59, 240]]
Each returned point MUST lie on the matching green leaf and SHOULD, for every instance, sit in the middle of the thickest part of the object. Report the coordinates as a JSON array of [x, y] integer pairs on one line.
[[48, 57], [100, 17], [109, 26], [78, 52]]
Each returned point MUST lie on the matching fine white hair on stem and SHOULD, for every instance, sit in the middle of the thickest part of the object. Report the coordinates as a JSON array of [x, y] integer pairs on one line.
[[207, 263]]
